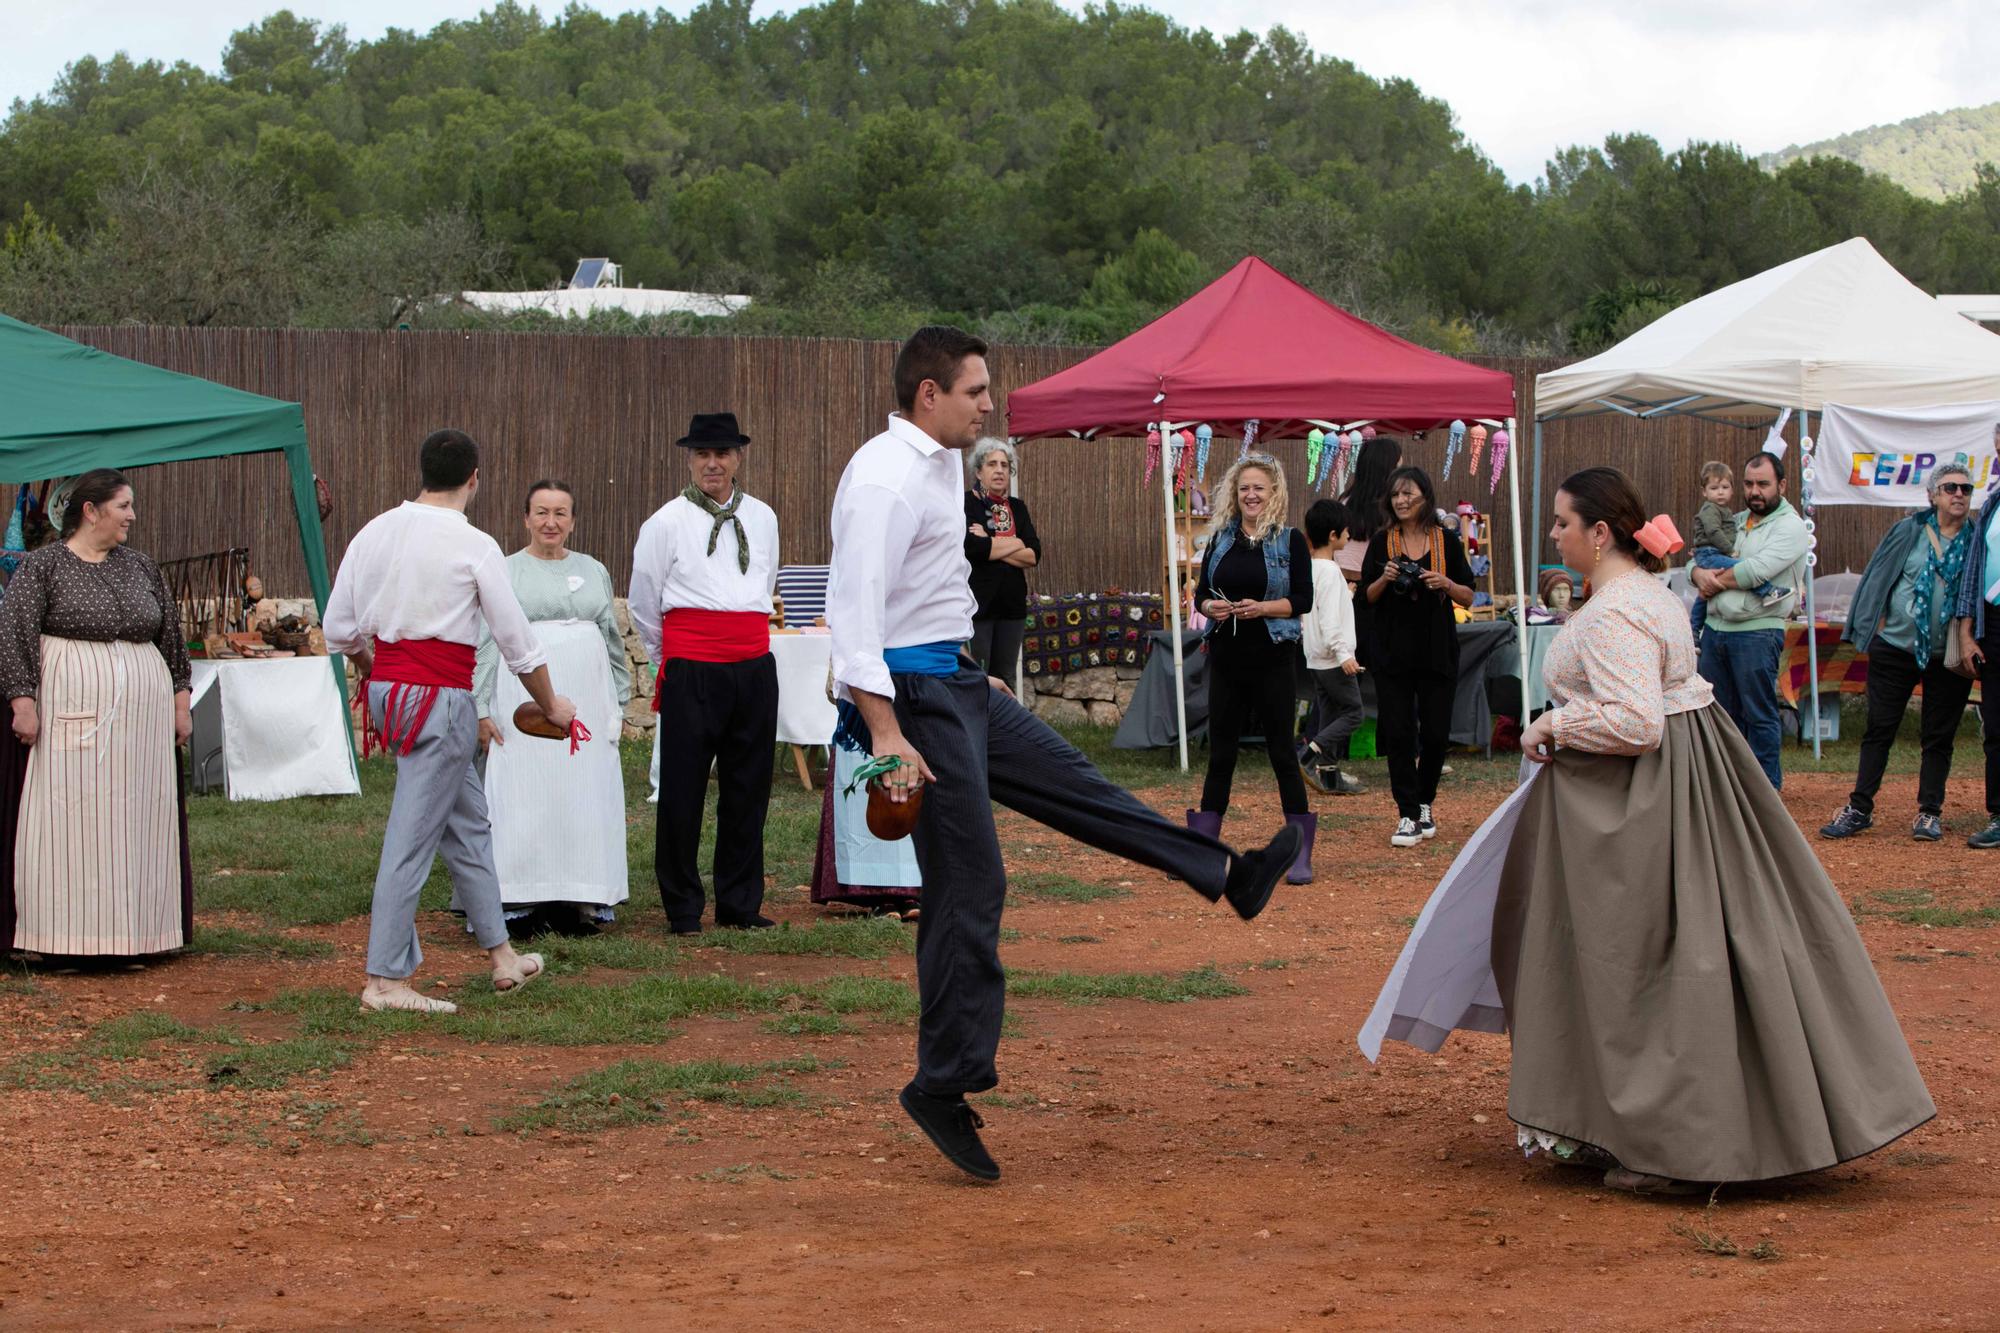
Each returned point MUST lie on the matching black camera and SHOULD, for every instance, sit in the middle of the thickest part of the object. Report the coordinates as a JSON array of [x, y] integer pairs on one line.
[[1409, 579]]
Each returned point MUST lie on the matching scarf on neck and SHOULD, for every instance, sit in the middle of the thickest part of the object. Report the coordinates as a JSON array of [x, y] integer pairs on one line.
[[699, 498], [1944, 564]]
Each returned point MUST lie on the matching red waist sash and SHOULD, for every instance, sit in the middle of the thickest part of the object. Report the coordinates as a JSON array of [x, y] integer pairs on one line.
[[710, 636], [414, 670]]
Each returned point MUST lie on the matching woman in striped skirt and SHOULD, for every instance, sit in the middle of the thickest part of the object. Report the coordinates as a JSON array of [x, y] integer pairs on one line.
[[95, 856]]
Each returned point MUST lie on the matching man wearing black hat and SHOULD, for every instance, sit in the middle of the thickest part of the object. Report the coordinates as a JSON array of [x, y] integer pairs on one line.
[[702, 575]]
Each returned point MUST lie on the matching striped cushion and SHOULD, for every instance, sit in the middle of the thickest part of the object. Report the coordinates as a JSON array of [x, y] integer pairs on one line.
[[803, 588]]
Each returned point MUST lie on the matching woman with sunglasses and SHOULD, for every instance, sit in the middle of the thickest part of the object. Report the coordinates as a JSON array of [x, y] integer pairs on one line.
[[1901, 618]]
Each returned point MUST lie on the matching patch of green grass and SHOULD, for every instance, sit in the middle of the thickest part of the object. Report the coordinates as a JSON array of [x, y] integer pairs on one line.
[[807, 1025], [634, 1092], [231, 942], [1902, 897], [1708, 1242], [273, 1064], [1947, 917], [300, 1120], [857, 937], [1022, 1101], [1062, 888], [127, 1036], [80, 1069], [1078, 939], [18, 985], [879, 998], [618, 951], [1202, 983]]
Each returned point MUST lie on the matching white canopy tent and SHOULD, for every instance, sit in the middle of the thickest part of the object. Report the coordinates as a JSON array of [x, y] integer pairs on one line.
[[1839, 325]]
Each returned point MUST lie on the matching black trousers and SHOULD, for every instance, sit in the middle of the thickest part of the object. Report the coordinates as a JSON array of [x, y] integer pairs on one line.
[[1892, 677], [984, 747], [1413, 728], [723, 714], [1989, 708], [1237, 698], [996, 644]]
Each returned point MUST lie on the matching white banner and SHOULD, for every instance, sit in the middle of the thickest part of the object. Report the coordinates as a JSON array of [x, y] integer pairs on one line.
[[1885, 456]]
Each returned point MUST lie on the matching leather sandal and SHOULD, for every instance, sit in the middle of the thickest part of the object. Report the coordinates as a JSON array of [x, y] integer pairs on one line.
[[507, 982]]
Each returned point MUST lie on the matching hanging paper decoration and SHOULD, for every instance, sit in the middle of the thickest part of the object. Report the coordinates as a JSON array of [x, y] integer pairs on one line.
[[1249, 436], [1202, 435], [1185, 461], [1152, 450], [1315, 445], [1452, 443], [1367, 433], [1478, 437], [1500, 442]]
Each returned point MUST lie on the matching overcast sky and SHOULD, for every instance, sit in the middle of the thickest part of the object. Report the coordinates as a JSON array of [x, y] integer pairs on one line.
[[1525, 78]]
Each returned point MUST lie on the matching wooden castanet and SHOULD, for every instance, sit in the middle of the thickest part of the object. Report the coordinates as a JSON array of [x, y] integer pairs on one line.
[[530, 720], [891, 820]]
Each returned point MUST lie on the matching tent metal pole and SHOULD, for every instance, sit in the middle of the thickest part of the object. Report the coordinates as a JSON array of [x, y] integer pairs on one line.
[[1520, 584], [1535, 508], [1812, 626], [1174, 595], [312, 540], [1014, 488]]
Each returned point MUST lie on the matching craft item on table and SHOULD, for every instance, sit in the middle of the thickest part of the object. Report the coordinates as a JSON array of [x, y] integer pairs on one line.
[[1500, 442], [1203, 434], [1478, 438], [1152, 450], [1315, 444], [1557, 592], [1076, 632], [1468, 527], [1452, 442]]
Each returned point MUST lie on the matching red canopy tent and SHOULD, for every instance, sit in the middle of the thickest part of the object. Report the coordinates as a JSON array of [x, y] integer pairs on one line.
[[1255, 346]]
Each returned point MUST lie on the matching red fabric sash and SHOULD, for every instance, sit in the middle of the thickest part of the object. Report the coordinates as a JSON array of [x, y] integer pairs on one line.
[[710, 636], [414, 670]]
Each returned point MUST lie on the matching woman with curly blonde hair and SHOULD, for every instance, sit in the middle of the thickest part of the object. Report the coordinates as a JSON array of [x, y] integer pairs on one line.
[[1256, 581]]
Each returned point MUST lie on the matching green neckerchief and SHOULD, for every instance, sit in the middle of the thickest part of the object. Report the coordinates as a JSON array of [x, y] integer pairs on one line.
[[1942, 565], [722, 514]]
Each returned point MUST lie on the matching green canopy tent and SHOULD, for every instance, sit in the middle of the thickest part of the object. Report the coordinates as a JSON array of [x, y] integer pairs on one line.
[[66, 408]]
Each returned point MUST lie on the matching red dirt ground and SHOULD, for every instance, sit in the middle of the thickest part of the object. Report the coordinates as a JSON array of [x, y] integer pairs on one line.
[[1222, 1163]]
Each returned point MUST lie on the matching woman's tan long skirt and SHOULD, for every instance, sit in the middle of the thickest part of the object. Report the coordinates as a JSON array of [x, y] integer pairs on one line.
[[97, 845], [1684, 986]]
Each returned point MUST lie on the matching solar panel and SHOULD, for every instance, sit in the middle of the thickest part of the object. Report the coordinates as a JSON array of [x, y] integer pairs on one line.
[[589, 273]]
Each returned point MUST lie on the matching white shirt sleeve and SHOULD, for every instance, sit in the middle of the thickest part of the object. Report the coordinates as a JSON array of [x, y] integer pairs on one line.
[[873, 528], [1340, 604], [652, 558], [519, 647], [339, 625]]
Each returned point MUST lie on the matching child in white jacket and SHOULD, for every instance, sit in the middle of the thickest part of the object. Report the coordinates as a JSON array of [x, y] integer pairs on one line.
[[1329, 643]]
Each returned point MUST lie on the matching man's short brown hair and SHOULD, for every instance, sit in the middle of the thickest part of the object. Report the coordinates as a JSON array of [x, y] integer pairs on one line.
[[934, 352]]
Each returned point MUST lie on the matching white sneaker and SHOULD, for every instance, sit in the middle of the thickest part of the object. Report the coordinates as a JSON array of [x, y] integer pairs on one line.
[[1426, 826], [1406, 834]]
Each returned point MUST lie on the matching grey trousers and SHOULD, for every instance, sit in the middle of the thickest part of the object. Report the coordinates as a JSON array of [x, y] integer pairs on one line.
[[985, 747], [440, 806]]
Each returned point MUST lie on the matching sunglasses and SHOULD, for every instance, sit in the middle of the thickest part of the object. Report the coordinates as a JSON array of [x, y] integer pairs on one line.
[[1955, 487]]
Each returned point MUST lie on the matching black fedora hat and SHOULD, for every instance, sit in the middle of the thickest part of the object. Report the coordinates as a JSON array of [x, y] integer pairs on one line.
[[713, 430]]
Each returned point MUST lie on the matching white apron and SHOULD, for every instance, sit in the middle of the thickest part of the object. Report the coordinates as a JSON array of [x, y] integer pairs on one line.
[[559, 818], [860, 859]]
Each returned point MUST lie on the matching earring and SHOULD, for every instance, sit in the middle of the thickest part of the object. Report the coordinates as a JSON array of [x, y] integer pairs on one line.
[[1596, 554]]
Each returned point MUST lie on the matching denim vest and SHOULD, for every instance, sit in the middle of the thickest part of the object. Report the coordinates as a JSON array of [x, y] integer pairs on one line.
[[1277, 574]]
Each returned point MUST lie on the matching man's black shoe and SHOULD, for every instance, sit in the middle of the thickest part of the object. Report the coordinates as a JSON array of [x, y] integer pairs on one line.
[[684, 927], [1252, 875], [759, 922], [953, 1127]]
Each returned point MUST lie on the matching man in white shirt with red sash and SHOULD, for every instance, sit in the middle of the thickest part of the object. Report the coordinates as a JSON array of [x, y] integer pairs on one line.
[[703, 571], [407, 605], [900, 607]]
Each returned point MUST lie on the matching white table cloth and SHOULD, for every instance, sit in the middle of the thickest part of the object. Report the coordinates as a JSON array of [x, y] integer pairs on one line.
[[284, 729], [804, 715]]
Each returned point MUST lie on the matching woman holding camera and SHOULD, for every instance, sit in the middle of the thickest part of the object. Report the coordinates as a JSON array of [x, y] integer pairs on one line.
[[1413, 574]]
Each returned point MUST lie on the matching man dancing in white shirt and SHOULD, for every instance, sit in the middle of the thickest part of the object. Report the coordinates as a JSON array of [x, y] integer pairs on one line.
[[899, 606], [406, 606]]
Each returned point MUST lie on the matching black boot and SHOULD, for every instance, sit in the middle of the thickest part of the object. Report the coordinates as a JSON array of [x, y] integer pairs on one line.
[[953, 1127], [1252, 875]]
